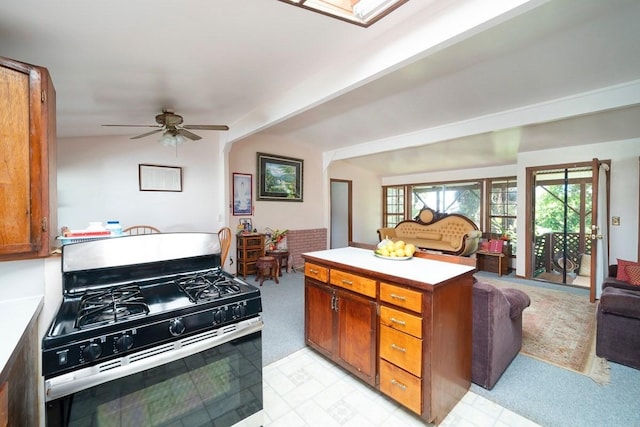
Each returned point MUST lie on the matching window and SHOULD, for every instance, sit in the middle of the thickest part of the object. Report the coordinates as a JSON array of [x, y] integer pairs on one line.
[[359, 12], [460, 197], [496, 215], [502, 201], [393, 209]]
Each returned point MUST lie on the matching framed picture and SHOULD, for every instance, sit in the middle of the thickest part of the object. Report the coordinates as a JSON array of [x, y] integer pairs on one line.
[[242, 194], [159, 178], [279, 178], [245, 225]]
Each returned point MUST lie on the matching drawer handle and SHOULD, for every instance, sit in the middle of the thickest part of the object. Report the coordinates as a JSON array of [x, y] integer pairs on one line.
[[399, 322], [397, 347], [347, 282], [398, 384], [400, 297], [311, 270]]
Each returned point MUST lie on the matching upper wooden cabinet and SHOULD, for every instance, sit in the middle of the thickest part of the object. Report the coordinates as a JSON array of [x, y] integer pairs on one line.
[[28, 203]]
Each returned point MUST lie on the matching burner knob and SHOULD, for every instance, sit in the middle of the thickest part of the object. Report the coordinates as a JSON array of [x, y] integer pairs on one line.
[[124, 343], [92, 352], [238, 311], [176, 327], [218, 316]]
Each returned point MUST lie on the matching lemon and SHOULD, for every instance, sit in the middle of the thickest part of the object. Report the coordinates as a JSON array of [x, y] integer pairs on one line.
[[399, 244], [409, 249], [400, 252], [390, 247], [384, 252]]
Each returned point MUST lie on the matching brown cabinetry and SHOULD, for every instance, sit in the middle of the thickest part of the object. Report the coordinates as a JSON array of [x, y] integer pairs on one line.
[[249, 248], [410, 339], [28, 203], [18, 383], [341, 324]]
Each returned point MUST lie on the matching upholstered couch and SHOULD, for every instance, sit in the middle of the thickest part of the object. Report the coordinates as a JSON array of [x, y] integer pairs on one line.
[[447, 233], [618, 316], [497, 331]]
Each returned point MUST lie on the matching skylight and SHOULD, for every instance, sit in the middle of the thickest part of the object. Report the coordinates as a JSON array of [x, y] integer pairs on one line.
[[359, 12]]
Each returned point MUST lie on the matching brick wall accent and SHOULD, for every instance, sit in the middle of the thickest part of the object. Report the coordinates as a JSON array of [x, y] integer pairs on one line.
[[301, 241]]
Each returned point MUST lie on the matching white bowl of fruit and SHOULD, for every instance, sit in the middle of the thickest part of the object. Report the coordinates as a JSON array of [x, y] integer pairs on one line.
[[397, 251]]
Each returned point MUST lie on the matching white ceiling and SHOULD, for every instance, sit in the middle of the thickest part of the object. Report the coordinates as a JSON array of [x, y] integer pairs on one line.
[[480, 80]]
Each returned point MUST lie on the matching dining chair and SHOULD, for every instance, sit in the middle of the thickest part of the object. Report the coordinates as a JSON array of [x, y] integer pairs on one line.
[[135, 230], [225, 243]]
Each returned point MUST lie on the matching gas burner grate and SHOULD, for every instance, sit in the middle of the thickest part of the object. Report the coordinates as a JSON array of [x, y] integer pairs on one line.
[[208, 285], [104, 306]]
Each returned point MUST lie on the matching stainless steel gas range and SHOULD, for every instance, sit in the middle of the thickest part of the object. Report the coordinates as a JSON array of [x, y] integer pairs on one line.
[[151, 331]]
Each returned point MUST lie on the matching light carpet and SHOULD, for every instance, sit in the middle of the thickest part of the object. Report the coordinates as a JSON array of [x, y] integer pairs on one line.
[[559, 328]]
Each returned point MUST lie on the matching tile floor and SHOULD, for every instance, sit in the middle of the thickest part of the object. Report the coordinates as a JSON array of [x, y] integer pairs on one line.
[[305, 390]]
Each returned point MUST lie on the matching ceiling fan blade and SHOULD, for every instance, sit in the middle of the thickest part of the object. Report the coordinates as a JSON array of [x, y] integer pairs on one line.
[[136, 126], [146, 134], [206, 127], [186, 133]]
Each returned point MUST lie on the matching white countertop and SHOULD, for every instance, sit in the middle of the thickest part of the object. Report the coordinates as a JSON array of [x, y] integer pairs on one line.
[[416, 269], [15, 315]]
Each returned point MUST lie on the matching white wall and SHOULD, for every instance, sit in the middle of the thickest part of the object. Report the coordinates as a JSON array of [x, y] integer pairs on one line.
[[279, 214], [366, 204], [98, 181]]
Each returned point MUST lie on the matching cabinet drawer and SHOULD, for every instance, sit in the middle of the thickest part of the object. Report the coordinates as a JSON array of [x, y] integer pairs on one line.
[[251, 242], [353, 282], [402, 297], [401, 321], [401, 386], [401, 349], [317, 272]]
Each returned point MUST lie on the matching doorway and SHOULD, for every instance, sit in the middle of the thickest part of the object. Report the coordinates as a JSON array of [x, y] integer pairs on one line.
[[561, 217], [341, 225], [563, 201]]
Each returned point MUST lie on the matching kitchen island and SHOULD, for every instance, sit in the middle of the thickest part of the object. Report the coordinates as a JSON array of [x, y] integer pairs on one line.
[[401, 326]]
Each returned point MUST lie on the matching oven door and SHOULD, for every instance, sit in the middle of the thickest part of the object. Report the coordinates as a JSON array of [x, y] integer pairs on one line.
[[213, 378]]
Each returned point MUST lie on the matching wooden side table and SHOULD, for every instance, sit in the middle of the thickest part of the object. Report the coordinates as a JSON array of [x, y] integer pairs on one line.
[[494, 262], [282, 256]]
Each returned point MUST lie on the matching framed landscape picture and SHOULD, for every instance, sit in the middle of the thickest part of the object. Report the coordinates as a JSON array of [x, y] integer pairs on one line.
[[279, 178]]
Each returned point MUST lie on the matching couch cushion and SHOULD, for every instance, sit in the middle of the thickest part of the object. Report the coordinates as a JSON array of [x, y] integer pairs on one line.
[[429, 236], [633, 271], [585, 265], [622, 273]]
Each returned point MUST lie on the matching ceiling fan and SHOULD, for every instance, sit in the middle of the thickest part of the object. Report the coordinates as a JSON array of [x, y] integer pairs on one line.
[[171, 125]]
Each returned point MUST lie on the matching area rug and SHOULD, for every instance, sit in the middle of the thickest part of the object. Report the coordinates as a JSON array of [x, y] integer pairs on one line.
[[559, 328]]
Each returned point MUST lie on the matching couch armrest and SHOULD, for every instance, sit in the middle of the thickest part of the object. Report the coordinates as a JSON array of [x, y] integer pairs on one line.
[[621, 302], [470, 244], [389, 232], [518, 301]]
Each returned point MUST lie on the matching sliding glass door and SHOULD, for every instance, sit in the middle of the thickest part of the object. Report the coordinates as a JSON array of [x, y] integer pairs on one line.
[[561, 218]]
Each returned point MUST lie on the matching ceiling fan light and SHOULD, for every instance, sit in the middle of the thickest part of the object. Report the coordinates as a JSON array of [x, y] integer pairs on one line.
[[171, 139]]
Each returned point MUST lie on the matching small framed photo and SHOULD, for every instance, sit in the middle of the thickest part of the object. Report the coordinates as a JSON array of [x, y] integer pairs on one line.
[[246, 225], [242, 194], [279, 178], [159, 178]]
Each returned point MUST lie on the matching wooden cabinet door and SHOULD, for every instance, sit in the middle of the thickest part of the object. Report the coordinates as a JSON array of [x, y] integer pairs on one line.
[[357, 334], [28, 204], [319, 316]]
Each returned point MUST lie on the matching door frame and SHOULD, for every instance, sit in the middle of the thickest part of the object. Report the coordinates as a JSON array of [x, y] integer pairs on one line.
[[529, 218]]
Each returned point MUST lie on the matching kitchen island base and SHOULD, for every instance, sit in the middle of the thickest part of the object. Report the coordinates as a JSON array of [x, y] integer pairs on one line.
[[403, 327]]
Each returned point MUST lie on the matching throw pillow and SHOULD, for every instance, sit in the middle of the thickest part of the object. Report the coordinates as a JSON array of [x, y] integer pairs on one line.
[[633, 271], [585, 265], [622, 269]]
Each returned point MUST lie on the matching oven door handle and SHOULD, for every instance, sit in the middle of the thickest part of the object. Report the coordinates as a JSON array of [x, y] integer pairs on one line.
[[91, 376]]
